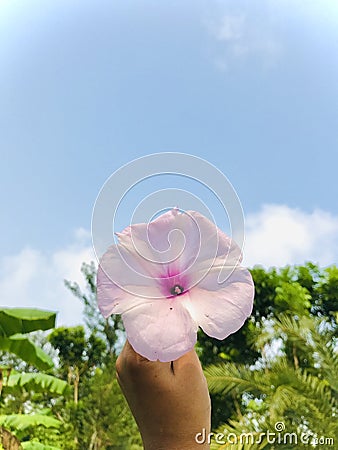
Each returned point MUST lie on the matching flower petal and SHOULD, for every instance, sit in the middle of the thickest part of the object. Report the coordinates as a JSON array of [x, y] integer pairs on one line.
[[160, 330], [106, 293], [185, 250], [115, 300], [123, 267], [183, 242], [120, 278], [221, 309], [214, 242], [160, 241]]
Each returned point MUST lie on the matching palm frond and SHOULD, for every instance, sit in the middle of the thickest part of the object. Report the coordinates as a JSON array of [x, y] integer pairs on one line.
[[226, 377]]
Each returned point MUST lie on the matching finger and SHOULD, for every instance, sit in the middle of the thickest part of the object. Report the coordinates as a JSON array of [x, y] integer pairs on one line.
[[190, 359], [131, 364]]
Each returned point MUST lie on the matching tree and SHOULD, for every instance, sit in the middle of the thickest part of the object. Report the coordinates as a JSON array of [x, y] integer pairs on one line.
[[297, 388], [14, 326], [299, 291], [109, 422], [77, 353], [281, 393], [98, 416], [110, 330]]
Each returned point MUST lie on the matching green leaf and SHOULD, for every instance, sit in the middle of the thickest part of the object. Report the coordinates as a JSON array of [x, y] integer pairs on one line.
[[19, 422], [33, 445], [21, 346], [37, 382], [24, 320]]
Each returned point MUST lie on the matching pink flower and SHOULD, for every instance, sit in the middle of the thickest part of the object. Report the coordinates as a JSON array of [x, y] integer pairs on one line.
[[170, 276]]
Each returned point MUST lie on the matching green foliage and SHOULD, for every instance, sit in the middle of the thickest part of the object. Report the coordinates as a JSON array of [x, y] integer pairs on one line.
[[96, 416], [281, 365], [20, 422], [78, 354], [37, 382], [327, 295], [70, 343], [296, 291], [292, 298], [22, 347], [106, 418], [282, 391], [15, 323], [22, 320], [110, 329], [75, 349], [35, 445]]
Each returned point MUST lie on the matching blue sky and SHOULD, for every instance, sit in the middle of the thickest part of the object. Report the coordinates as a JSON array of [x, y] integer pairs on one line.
[[86, 87]]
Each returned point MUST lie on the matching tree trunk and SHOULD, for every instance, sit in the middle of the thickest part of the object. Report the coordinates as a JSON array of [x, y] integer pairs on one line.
[[8, 440], [76, 385], [295, 357], [2, 376], [93, 444]]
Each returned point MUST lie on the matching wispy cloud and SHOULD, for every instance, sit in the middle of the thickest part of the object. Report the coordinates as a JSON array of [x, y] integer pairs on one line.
[[243, 36], [278, 235], [33, 278], [230, 28]]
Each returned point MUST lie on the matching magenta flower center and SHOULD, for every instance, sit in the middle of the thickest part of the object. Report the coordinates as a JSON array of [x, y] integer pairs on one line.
[[177, 290], [173, 283]]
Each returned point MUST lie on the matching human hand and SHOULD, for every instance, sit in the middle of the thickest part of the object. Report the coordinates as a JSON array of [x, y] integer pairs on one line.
[[170, 401]]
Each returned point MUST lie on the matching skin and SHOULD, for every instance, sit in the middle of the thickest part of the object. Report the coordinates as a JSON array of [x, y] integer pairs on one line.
[[170, 401]]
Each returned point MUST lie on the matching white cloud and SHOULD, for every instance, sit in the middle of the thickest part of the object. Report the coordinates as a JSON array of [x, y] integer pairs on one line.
[[278, 235], [242, 36], [230, 28], [32, 278]]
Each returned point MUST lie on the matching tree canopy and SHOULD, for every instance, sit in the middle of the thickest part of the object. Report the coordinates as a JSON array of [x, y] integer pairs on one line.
[[280, 367]]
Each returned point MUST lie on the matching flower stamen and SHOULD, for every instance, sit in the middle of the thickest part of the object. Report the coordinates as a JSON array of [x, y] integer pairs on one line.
[[177, 290]]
